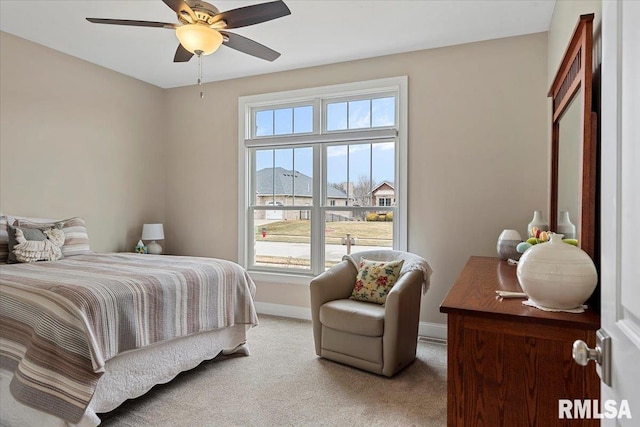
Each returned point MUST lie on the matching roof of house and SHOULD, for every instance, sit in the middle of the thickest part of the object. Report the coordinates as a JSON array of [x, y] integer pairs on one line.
[[285, 179], [390, 184]]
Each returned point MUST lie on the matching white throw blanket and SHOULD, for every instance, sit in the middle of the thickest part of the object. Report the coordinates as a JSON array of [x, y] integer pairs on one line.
[[411, 262]]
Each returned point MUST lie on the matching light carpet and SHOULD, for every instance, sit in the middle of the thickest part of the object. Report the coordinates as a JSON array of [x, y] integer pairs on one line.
[[284, 383]]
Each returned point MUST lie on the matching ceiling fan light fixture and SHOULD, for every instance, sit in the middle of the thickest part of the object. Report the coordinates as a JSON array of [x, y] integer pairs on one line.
[[199, 37]]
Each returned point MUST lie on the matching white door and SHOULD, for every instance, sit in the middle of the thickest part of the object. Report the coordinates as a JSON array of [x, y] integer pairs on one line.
[[620, 206]]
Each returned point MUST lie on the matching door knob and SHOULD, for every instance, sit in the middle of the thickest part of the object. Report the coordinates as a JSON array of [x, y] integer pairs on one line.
[[582, 354]]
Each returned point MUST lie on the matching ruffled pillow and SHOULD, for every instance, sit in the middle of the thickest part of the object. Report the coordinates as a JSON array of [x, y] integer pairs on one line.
[[375, 280], [75, 231], [33, 244]]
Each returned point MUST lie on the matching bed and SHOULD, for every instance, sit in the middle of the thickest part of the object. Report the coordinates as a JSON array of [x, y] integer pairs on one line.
[[80, 335]]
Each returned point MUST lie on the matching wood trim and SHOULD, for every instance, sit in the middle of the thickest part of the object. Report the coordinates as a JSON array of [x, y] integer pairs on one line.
[[524, 329], [455, 369], [589, 183], [473, 293], [575, 74]]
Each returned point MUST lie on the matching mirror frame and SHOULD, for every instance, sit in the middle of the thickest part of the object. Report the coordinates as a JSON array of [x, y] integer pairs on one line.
[[576, 73]]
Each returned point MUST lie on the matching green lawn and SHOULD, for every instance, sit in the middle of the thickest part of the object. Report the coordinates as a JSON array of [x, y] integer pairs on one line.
[[368, 233]]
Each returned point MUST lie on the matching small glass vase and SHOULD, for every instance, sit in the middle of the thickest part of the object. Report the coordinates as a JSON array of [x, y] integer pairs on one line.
[[565, 226], [537, 221]]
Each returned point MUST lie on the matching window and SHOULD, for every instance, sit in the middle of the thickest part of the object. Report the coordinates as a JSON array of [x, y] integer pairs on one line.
[[370, 112], [317, 167], [283, 121]]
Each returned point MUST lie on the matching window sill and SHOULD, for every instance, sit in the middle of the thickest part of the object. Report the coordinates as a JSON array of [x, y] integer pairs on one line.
[[281, 278]]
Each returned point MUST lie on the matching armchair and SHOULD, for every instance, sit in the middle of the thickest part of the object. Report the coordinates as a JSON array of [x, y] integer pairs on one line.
[[377, 338]]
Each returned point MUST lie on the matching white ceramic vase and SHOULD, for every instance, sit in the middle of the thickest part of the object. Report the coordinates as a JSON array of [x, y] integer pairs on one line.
[[537, 221], [154, 248], [556, 274], [565, 226], [507, 242]]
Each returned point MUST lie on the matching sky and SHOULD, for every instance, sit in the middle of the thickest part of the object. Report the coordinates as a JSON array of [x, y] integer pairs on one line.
[[356, 160]]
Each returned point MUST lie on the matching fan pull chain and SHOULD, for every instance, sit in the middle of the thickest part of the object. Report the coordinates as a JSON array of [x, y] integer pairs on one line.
[[200, 73]]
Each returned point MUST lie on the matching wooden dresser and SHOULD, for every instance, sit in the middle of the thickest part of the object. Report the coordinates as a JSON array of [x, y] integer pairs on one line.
[[509, 364]]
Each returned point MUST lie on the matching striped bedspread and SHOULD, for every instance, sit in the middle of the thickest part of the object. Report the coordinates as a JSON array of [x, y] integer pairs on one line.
[[60, 321]]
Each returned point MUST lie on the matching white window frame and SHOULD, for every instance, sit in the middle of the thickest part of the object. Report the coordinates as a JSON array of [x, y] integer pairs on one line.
[[277, 106], [386, 201], [247, 105], [375, 94]]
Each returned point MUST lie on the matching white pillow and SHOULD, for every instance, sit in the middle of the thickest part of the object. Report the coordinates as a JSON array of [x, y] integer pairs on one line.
[[12, 218]]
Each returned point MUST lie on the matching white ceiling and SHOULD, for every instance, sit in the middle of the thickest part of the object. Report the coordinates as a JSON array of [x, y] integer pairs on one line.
[[317, 32]]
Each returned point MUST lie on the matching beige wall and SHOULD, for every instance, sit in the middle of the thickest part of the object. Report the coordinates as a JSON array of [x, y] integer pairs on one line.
[[78, 139], [563, 22], [477, 150], [477, 154]]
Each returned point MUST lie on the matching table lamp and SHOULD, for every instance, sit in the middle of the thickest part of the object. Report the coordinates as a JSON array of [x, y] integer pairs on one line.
[[153, 232]]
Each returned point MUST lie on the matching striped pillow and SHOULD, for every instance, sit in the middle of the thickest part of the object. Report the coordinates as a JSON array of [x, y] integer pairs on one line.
[[76, 237], [4, 239]]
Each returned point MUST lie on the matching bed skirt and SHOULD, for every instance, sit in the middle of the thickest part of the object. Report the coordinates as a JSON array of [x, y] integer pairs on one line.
[[130, 375]]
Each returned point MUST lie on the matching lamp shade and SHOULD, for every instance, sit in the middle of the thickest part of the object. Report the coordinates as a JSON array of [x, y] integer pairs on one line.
[[152, 232], [199, 37]]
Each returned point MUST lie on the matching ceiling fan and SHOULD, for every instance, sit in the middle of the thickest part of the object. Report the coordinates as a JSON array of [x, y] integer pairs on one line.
[[202, 27]]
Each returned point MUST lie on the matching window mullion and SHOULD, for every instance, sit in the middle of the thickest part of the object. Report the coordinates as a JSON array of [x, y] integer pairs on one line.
[[318, 117], [273, 177], [348, 120], [293, 177], [317, 212], [250, 200], [381, 134], [370, 173], [348, 177]]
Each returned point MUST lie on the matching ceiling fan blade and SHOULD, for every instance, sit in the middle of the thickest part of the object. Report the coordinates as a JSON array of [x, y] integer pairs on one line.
[[254, 14], [180, 7], [245, 45], [132, 23], [182, 54]]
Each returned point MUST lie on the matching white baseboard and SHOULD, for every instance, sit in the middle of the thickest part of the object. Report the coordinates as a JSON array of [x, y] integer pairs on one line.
[[433, 330], [425, 329], [292, 311]]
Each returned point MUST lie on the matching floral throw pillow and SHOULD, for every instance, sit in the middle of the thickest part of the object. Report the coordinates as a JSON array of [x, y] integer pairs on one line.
[[375, 279]]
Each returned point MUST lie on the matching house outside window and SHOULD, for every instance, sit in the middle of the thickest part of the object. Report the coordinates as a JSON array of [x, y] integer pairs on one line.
[[317, 165], [384, 194]]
